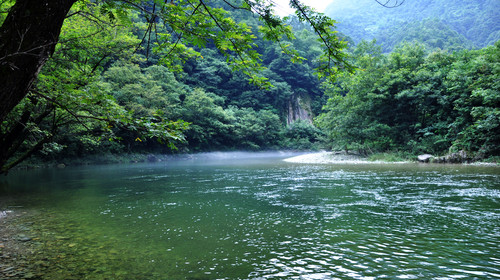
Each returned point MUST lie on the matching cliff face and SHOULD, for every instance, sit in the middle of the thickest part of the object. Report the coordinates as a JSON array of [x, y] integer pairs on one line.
[[299, 108]]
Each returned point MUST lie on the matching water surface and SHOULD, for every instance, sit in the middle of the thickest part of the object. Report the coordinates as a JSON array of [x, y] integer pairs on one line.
[[237, 217]]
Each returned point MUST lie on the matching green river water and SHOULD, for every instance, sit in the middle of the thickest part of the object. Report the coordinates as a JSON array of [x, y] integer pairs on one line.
[[254, 216]]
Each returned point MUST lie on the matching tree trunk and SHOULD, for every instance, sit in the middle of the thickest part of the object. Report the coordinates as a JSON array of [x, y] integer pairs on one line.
[[27, 39]]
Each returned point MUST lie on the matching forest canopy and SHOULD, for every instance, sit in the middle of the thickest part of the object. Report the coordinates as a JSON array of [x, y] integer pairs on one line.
[[82, 38], [418, 102], [154, 77], [458, 24]]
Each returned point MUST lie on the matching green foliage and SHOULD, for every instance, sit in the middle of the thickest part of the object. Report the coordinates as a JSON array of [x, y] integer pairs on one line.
[[475, 87], [433, 33], [420, 103], [302, 135], [100, 93], [391, 157], [66, 105], [4, 8], [209, 122], [461, 23], [68, 111], [256, 129], [215, 128], [144, 91], [288, 79], [179, 30], [333, 60]]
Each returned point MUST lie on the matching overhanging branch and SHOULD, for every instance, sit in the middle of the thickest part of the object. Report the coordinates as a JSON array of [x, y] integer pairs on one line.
[[391, 3]]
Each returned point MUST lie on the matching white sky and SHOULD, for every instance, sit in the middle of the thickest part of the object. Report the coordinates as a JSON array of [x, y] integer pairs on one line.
[[283, 9]]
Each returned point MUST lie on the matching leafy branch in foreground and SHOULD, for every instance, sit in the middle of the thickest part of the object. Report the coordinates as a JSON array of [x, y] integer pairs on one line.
[[179, 29], [68, 104]]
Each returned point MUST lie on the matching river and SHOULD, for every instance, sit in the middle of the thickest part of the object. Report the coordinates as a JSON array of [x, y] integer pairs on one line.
[[255, 216]]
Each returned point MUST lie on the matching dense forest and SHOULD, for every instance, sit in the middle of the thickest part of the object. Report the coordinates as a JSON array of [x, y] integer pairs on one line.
[[417, 102], [450, 25], [107, 89]]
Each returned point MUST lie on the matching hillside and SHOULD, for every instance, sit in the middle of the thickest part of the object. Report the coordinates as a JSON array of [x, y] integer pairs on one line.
[[459, 24]]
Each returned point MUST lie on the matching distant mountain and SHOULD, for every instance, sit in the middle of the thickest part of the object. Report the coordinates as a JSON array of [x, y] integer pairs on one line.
[[438, 23]]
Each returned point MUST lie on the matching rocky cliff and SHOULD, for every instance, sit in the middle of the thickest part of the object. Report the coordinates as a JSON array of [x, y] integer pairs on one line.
[[299, 108]]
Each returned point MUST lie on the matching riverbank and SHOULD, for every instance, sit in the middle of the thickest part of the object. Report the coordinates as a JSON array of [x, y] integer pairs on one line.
[[35, 163], [336, 158], [312, 157], [325, 157]]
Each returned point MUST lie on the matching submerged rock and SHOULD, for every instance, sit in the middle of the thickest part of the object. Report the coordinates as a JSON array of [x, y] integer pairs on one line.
[[3, 214], [23, 238]]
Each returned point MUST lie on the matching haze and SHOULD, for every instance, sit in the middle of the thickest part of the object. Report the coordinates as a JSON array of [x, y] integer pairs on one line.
[[283, 9]]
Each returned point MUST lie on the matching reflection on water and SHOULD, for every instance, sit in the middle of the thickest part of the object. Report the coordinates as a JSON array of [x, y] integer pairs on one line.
[[262, 218]]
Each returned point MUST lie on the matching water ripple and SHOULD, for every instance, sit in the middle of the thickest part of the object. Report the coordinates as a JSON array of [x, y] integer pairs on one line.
[[290, 221]]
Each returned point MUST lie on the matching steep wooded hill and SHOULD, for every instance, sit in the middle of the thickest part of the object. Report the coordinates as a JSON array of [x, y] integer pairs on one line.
[[437, 23]]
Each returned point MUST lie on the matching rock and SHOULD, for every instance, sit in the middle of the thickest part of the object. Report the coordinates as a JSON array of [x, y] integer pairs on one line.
[[3, 214], [424, 158], [152, 158], [437, 160], [299, 108], [458, 157]]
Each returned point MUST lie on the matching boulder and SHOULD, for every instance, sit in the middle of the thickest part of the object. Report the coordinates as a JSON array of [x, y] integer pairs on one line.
[[458, 157], [424, 158]]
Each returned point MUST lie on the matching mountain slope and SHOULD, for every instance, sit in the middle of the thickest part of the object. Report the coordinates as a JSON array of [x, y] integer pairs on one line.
[[476, 23]]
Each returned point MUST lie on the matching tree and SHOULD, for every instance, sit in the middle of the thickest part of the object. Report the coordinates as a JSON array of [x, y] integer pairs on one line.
[[28, 36], [474, 23], [31, 30], [474, 93], [68, 108], [417, 102], [350, 117]]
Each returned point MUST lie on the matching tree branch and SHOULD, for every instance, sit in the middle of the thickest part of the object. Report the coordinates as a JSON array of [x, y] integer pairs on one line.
[[396, 3], [62, 106]]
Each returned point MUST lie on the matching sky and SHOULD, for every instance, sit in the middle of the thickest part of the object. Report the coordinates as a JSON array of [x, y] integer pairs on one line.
[[283, 9]]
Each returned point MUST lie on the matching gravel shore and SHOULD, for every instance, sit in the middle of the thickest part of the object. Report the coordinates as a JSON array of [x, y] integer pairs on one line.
[[332, 158], [16, 246]]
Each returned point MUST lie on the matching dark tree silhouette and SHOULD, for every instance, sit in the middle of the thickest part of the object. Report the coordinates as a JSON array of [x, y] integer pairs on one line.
[[27, 39]]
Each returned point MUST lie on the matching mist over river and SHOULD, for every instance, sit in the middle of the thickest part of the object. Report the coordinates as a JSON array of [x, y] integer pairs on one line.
[[256, 216]]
